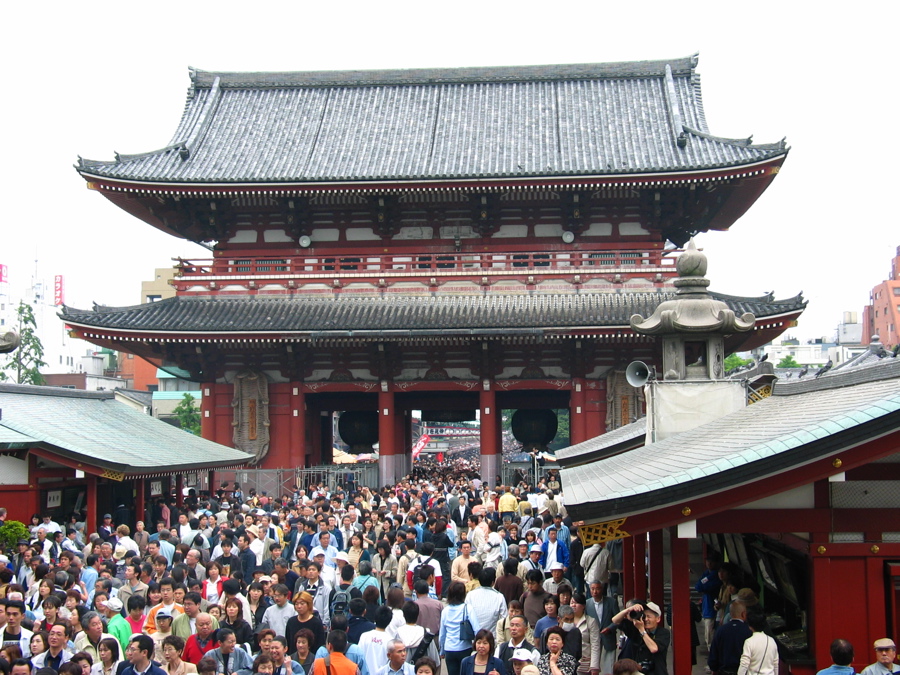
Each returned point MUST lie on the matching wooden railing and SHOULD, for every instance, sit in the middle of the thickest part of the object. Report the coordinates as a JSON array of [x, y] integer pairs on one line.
[[552, 262]]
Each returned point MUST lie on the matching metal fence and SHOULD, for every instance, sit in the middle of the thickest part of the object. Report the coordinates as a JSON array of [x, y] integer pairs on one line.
[[278, 482]]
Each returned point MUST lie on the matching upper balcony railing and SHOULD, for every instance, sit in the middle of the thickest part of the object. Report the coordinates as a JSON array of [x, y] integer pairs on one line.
[[552, 262]]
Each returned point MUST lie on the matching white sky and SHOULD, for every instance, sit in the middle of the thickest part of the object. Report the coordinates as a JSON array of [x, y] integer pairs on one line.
[[93, 78]]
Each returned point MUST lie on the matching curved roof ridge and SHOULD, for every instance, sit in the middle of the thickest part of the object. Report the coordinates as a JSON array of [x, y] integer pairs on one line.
[[683, 66], [738, 142], [768, 298]]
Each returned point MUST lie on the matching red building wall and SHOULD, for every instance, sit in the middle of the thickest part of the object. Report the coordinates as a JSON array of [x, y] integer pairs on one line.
[[882, 316]]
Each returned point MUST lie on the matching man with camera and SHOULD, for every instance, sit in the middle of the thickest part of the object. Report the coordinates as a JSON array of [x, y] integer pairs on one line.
[[650, 641]]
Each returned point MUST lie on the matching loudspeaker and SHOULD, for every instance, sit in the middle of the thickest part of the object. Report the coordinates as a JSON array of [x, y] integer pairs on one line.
[[637, 373]]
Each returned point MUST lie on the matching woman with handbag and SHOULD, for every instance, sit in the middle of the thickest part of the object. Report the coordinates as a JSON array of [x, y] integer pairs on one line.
[[458, 629]]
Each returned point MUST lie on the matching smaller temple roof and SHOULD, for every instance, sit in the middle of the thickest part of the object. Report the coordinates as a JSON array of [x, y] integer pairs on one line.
[[364, 316], [626, 437], [802, 422], [93, 429], [456, 124]]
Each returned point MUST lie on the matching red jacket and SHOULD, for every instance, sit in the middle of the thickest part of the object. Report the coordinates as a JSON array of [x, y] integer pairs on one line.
[[193, 652]]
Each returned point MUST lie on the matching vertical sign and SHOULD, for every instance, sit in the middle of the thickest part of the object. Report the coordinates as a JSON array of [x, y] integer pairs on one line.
[[3, 277], [58, 290]]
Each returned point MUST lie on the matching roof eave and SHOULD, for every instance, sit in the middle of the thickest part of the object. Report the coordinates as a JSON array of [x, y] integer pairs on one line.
[[665, 507], [764, 167]]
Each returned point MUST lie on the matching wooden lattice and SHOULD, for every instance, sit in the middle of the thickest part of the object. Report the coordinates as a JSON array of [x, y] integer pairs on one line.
[[597, 533], [759, 394], [113, 475]]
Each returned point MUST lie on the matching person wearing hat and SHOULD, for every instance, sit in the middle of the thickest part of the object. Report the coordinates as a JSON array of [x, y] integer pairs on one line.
[[164, 620], [885, 655], [107, 529], [556, 578], [641, 625], [532, 562], [256, 544], [116, 625]]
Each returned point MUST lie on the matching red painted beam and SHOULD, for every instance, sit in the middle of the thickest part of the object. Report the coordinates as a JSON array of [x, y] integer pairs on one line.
[[875, 472], [65, 461]]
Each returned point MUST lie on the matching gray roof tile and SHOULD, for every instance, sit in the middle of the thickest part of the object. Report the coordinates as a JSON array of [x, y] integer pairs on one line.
[[95, 428], [727, 451], [414, 314], [584, 119]]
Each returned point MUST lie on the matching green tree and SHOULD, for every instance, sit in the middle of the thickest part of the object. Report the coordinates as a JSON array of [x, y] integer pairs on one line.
[[11, 532], [732, 361], [788, 362], [188, 416], [22, 366]]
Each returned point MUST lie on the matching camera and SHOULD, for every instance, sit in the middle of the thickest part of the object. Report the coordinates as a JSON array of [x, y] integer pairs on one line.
[[647, 667], [636, 614]]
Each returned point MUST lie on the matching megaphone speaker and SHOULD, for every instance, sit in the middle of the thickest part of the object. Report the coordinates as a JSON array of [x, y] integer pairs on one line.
[[637, 373]]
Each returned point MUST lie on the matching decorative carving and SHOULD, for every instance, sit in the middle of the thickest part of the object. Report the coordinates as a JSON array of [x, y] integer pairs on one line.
[[9, 342], [759, 394], [113, 475], [251, 414], [625, 403], [597, 533]]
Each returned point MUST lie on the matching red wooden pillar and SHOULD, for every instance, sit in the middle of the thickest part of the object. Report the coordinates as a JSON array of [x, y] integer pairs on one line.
[[627, 569], [211, 482], [179, 490], [490, 434], [35, 492], [578, 412], [297, 425], [403, 434], [208, 411], [681, 596], [656, 567], [595, 407], [140, 500], [91, 518], [640, 565], [387, 439]]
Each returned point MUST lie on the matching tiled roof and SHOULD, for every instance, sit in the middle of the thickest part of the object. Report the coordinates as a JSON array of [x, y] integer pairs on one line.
[[568, 120], [94, 428], [412, 314], [624, 438], [760, 440]]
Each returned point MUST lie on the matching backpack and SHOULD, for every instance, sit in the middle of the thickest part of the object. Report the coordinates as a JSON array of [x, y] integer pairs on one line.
[[340, 603], [412, 571]]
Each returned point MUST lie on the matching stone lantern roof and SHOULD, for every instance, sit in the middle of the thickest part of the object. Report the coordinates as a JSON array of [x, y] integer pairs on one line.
[[693, 310]]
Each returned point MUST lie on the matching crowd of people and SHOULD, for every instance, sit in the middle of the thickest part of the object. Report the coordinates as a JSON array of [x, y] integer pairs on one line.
[[437, 575]]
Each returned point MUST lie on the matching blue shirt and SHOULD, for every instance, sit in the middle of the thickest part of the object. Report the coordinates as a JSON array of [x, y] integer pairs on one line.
[[451, 618], [837, 670]]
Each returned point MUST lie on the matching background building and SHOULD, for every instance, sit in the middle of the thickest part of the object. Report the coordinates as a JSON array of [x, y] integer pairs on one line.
[[881, 316]]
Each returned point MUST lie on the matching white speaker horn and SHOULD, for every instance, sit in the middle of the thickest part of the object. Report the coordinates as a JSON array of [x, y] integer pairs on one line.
[[637, 373]]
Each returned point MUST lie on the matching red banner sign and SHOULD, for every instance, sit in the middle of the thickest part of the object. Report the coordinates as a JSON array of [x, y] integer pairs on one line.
[[420, 445], [59, 295]]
